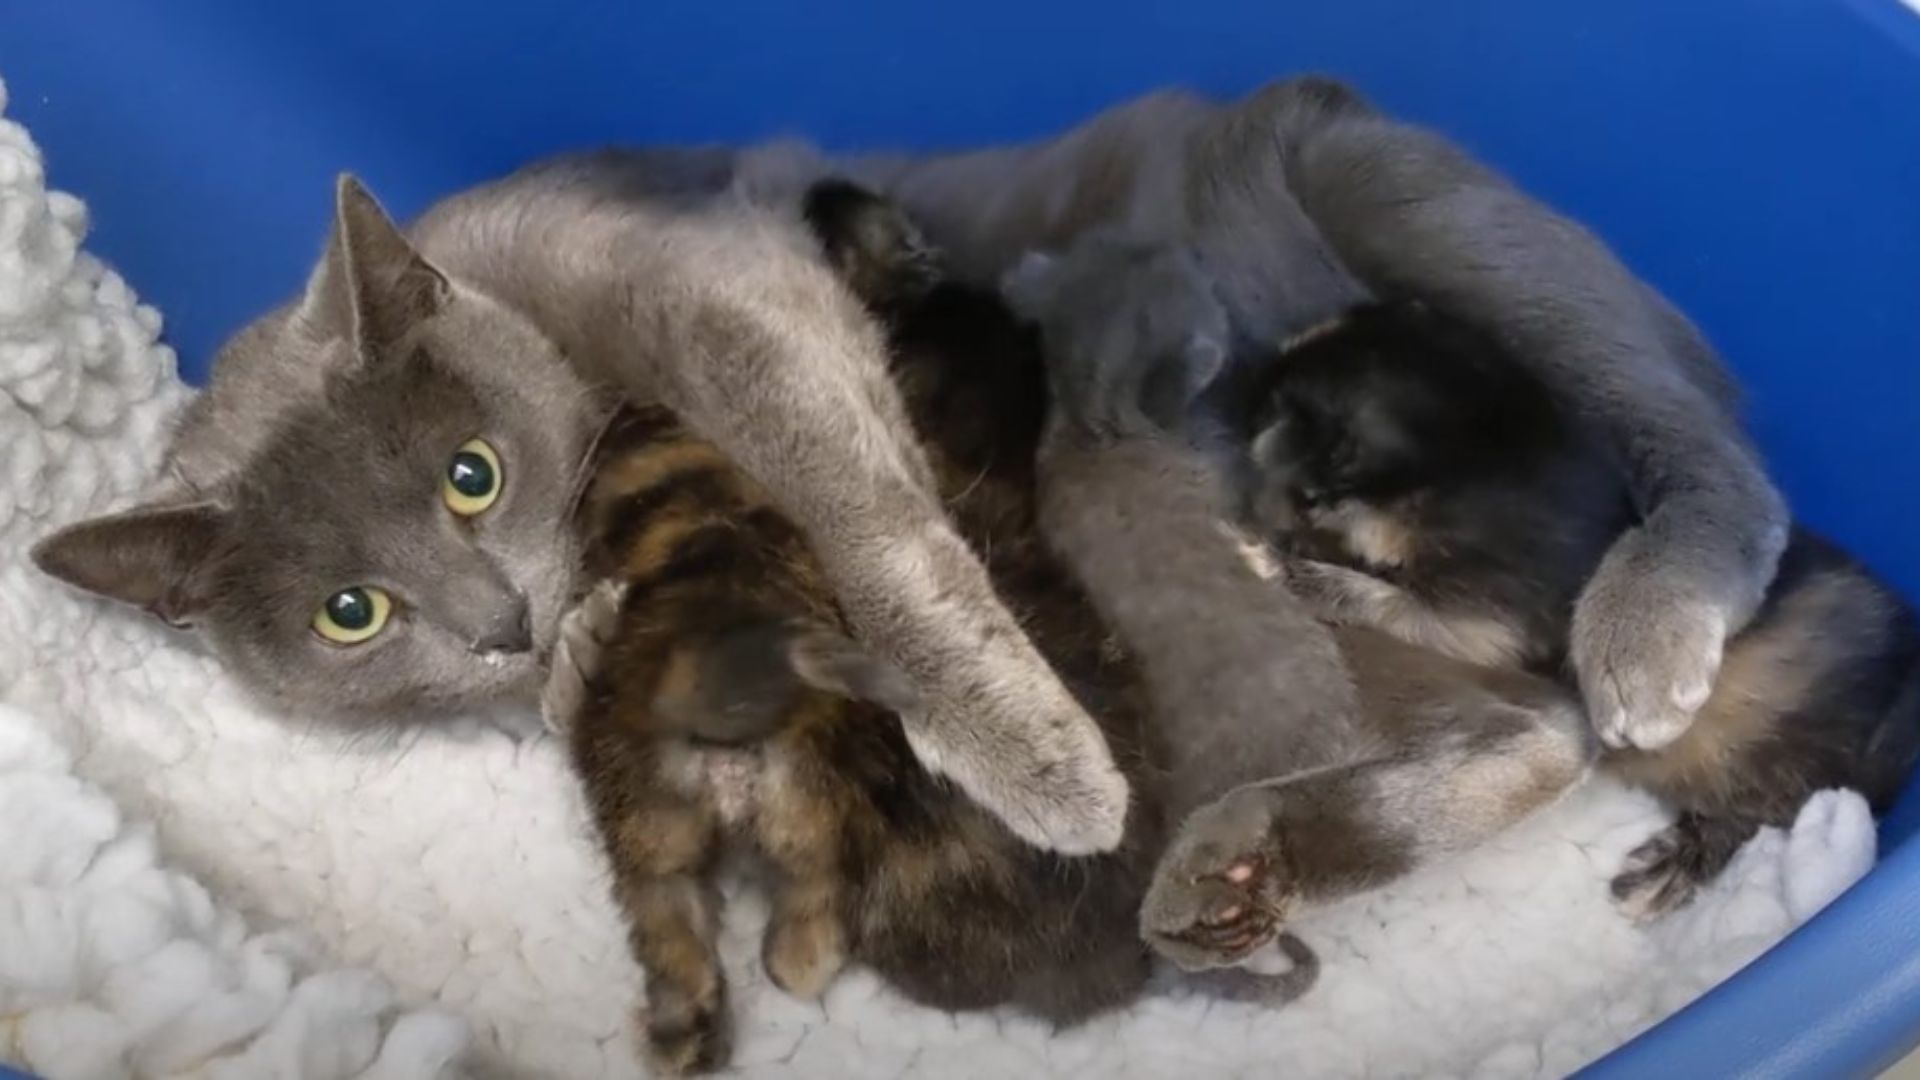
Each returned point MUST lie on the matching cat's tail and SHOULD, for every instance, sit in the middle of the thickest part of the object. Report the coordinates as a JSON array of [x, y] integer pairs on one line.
[[1241, 984]]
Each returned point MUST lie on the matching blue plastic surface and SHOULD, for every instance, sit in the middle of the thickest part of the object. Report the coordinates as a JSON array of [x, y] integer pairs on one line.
[[1759, 160]]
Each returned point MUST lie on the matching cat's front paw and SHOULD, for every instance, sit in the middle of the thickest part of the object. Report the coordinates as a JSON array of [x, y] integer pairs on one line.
[[1223, 889], [1031, 757], [686, 1036], [584, 634], [1647, 656]]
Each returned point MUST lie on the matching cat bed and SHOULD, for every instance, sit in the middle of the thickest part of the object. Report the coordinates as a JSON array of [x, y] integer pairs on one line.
[[189, 887]]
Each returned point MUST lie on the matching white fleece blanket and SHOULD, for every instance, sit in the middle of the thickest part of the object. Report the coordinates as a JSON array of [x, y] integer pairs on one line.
[[189, 887]]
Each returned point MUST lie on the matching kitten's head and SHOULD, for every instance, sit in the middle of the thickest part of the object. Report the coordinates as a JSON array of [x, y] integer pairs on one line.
[[1133, 329], [1389, 400], [397, 542]]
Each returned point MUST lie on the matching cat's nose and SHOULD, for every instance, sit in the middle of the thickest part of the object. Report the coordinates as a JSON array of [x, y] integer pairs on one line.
[[511, 631]]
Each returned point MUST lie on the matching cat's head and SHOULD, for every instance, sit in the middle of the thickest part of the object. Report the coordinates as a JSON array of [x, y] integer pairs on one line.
[[1387, 400], [396, 541]]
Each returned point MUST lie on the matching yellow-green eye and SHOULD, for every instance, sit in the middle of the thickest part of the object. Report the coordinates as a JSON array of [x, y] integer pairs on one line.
[[473, 478], [351, 616]]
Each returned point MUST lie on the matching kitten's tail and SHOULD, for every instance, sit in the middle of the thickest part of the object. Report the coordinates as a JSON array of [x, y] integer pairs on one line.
[[739, 685]]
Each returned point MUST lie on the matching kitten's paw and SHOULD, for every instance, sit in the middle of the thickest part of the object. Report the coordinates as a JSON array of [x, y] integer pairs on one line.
[[1222, 890], [584, 634], [1665, 873], [1647, 657], [684, 1036], [803, 954], [1655, 878], [1331, 592]]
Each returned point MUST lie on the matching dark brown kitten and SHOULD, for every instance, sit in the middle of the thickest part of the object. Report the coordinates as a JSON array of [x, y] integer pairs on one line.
[[1428, 485]]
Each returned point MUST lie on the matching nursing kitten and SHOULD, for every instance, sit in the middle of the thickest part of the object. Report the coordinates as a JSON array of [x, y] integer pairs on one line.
[[1425, 483], [723, 705]]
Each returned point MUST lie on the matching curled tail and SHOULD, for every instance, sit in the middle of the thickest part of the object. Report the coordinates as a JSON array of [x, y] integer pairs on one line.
[[1240, 984]]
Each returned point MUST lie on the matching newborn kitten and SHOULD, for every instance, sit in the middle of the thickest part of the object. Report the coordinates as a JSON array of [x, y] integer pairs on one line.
[[719, 700], [1424, 483]]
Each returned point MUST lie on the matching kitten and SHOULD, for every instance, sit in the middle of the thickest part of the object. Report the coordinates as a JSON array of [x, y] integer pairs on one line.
[[721, 701], [1425, 483]]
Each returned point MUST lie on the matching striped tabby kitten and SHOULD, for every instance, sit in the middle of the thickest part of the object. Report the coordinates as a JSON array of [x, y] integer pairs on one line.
[[716, 700]]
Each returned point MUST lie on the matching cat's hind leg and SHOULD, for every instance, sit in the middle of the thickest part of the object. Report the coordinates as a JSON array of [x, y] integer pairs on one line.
[[800, 827], [661, 855], [1242, 866], [661, 846]]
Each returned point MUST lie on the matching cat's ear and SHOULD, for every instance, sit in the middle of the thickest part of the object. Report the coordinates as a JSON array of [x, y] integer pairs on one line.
[[371, 286], [870, 241], [156, 558], [1028, 287]]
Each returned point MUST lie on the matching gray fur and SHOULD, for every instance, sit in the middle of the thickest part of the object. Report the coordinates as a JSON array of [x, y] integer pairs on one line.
[[1145, 520], [560, 281], [1456, 754], [1301, 199], [1296, 201]]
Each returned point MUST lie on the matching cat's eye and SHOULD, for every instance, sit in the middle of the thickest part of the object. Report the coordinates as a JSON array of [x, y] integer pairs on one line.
[[354, 615], [473, 478]]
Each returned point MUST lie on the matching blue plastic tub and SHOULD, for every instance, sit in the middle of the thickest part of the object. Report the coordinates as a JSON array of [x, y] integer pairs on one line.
[[1759, 160]]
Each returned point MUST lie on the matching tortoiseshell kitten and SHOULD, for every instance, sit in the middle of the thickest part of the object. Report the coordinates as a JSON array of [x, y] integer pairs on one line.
[[1429, 486], [726, 704]]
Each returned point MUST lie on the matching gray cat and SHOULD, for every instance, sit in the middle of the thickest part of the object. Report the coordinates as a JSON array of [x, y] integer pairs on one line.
[[1300, 199], [628, 274], [554, 294]]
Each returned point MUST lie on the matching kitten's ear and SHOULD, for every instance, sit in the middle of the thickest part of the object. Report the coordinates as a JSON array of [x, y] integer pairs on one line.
[[870, 242], [1028, 287], [828, 661], [155, 558], [371, 286]]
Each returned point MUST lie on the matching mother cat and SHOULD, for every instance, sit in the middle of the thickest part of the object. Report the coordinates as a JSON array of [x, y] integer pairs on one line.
[[625, 275]]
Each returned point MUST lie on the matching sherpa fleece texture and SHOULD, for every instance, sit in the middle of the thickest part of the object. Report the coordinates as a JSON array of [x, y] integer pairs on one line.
[[190, 887]]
